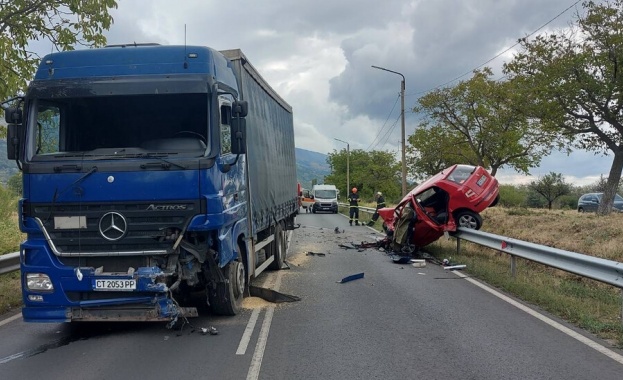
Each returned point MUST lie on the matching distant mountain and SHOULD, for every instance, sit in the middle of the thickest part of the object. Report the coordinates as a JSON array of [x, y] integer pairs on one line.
[[309, 166]]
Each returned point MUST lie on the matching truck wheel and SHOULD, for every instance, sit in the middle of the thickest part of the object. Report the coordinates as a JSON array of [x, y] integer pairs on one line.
[[278, 247], [226, 299]]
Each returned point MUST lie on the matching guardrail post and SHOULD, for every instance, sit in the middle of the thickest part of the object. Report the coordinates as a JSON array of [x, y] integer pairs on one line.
[[513, 266]]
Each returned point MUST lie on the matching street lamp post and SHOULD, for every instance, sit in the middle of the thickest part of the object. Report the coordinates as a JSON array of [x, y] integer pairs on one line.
[[347, 164], [402, 142]]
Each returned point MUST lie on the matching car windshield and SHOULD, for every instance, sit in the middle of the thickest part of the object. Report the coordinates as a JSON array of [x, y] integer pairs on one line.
[[87, 126], [460, 173], [617, 197], [326, 194]]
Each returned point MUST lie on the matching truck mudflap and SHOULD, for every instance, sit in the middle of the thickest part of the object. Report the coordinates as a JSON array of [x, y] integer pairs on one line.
[[159, 307]]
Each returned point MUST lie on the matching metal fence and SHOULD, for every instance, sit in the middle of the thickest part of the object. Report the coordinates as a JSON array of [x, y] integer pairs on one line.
[[9, 262], [606, 271]]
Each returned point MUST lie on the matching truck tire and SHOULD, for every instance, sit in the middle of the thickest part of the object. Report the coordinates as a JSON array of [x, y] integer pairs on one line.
[[278, 247], [226, 298]]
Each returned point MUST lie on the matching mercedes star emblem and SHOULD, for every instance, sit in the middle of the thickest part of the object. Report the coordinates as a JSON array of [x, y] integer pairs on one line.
[[113, 226]]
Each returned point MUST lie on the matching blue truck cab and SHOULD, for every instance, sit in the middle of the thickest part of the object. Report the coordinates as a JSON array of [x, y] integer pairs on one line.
[[149, 172]]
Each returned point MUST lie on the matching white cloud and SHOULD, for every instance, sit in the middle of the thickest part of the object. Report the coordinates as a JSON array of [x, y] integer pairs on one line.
[[318, 57]]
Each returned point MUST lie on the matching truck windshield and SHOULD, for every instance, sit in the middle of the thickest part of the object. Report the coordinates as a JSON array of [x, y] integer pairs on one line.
[[123, 125], [326, 194]]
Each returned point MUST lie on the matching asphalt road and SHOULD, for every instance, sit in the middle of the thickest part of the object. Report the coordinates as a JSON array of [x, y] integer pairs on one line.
[[397, 322]]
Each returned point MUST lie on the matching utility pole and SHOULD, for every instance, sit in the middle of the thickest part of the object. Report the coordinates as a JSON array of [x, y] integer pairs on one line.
[[402, 115]]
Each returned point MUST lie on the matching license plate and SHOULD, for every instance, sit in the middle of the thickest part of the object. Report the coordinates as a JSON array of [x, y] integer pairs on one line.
[[481, 181], [114, 285]]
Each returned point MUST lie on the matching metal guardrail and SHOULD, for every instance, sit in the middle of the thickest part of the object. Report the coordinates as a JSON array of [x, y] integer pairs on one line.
[[9, 262], [369, 210], [606, 271]]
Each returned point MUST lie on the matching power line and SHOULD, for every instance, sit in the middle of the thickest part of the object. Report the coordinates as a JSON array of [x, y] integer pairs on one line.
[[384, 124], [500, 54]]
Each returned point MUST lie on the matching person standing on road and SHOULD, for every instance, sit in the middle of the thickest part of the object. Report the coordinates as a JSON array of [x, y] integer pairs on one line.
[[380, 203], [353, 201]]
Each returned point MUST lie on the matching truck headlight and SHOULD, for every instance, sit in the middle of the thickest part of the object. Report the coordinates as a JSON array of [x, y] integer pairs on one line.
[[39, 282]]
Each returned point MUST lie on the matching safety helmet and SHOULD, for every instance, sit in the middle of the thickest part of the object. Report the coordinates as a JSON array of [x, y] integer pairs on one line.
[[354, 189], [379, 193]]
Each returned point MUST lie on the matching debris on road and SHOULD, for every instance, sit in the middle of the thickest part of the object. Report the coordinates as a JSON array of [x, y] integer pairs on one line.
[[271, 295], [310, 253], [400, 259], [209, 330], [351, 278], [418, 263], [455, 267]]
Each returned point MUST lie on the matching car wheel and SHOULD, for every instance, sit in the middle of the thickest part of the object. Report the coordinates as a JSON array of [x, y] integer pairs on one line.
[[468, 219], [226, 297], [580, 209]]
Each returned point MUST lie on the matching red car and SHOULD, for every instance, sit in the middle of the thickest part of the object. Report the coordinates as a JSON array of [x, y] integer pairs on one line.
[[450, 199]]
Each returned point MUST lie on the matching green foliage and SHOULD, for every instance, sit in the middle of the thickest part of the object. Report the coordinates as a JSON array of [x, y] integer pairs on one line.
[[65, 23], [15, 184], [432, 149], [476, 122], [568, 202], [574, 83], [550, 187], [369, 172], [512, 196], [8, 204]]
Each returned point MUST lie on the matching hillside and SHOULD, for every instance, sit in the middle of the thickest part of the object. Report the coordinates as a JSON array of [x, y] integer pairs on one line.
[[309, 166]]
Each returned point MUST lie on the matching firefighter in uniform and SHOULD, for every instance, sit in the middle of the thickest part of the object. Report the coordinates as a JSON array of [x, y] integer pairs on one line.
[[380, 203], [353, 201]]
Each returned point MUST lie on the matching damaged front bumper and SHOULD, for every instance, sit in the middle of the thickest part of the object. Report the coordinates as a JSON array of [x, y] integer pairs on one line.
[[88, 295]]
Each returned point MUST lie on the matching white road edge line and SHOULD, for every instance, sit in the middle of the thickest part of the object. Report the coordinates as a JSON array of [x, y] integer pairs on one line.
[[565, 330], [248, 331], [258, 355], [260, 347], [10, 319]]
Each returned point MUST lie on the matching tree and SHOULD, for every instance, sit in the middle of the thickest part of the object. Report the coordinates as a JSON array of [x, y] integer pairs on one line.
[[432, 149], [65, 23], [477, 122], [551, 186], [370, 171], [575, 83], [15, 184]]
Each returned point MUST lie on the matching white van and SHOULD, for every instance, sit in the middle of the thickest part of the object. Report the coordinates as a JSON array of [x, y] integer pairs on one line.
[[325, 198]]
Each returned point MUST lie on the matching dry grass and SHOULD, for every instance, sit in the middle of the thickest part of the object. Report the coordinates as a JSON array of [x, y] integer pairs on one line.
[[10, 292], [10, 239], [591, 305]]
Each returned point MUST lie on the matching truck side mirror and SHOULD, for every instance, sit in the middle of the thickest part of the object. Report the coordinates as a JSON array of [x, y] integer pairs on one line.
[[13, 115], [238, 135], [12, 141]]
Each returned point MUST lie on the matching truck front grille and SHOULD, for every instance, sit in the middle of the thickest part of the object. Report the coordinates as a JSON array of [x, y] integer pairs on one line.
[[115, 228]]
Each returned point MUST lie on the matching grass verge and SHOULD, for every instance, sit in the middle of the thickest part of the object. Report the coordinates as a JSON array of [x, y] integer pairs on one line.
[[10, 292], [588, 304]]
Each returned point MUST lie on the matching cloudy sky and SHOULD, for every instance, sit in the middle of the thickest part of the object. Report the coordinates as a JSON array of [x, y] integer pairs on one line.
[[318, 56]]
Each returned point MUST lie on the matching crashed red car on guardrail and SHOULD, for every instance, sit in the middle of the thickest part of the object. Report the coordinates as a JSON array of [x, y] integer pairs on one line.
[[450, 199]]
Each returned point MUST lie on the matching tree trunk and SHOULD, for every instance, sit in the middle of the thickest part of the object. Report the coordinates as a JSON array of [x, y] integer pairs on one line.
[[605, 206]]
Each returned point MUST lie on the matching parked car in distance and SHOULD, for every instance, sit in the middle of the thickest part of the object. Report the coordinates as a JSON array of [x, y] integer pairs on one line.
[[590, 202], [450, 199]]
